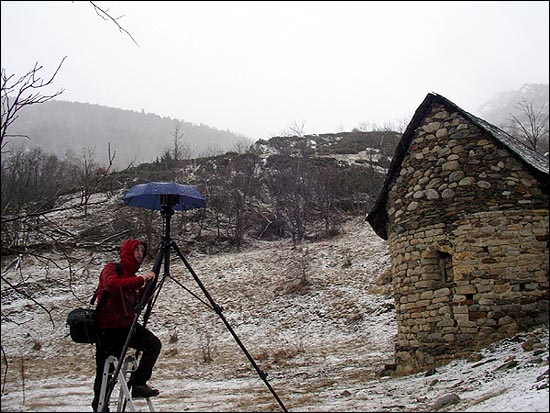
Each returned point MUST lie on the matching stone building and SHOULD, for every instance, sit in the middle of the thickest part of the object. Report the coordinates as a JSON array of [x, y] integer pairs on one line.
[[464, 208]]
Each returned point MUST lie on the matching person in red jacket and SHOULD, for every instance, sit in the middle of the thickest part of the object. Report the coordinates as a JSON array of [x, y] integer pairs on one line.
[[119, 291]]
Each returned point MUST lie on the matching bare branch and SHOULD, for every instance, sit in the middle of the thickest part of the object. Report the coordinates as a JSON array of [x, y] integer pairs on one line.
[[104, 14], [25, 91], [40, 213], [24, 294]]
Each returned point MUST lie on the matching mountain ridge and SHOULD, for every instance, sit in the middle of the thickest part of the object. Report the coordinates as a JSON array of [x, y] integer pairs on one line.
[[135, 136]]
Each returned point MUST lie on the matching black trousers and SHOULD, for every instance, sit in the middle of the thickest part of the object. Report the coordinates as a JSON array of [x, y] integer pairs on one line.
[[110, 343]]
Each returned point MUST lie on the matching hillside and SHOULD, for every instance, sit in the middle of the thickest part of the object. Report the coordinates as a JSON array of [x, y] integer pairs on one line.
[[497, 110], [317, 315], [136, 137], [324, 343]]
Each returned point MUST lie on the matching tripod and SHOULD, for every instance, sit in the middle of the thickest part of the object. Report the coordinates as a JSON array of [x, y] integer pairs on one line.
[[152, 291]]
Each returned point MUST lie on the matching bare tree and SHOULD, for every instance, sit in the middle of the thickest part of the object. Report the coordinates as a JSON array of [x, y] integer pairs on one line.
[[18, 93], [366, 126], [242, 189], [363, 126], [90, 174], [291, 192], [177, 136], [296, 129], [326, 186], [402, 123], [31, 181], [181, 150], [531, 124], [243, 145], [85, 170]]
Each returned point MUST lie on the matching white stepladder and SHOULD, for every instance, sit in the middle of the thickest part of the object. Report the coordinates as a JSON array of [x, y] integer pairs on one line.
[[124, 396]]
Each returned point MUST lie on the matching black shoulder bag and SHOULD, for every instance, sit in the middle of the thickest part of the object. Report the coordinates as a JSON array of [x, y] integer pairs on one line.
[[82, 321]]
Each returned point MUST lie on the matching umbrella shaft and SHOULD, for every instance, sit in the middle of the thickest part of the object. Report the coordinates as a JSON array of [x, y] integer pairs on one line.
[[167, 213]]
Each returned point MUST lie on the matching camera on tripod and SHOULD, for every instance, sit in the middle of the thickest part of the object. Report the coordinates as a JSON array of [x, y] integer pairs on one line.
[[166, 197], [169, 200]]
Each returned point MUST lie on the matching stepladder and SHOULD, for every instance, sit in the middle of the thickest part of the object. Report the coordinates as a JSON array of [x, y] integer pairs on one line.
[[125, 401]]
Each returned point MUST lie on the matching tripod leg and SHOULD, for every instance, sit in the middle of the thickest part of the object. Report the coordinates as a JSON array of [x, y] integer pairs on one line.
[[163, 256], [218, 311]]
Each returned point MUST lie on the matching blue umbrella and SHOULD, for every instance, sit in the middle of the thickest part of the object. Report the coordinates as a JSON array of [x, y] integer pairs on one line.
[[154, 194]]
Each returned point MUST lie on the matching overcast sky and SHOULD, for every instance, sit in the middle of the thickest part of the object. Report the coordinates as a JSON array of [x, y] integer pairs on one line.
[[256, 68]]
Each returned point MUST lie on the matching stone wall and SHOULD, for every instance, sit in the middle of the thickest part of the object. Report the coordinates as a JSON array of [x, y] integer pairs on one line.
[[468, 234]]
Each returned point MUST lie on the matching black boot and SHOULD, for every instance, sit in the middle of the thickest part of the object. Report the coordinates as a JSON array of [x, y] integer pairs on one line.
[[143, 390]]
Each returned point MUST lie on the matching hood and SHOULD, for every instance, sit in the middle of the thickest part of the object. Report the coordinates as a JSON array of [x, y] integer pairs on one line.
[[127, 254]]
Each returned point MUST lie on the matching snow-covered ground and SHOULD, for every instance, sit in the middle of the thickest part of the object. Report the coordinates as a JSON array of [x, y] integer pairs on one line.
[[323, 345]]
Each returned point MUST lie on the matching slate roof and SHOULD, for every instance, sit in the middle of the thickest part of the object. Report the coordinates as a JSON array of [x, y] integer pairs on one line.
[[535, 162]]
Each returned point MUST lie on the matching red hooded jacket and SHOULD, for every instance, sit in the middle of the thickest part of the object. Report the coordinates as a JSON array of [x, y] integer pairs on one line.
[[124, 289]]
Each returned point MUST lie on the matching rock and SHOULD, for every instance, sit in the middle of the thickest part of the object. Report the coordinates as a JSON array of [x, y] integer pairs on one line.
[[451, 398]]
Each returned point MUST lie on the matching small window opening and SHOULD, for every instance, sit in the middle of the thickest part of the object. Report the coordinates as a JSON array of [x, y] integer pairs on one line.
[[469, 296], [445, 266], [522, 286]]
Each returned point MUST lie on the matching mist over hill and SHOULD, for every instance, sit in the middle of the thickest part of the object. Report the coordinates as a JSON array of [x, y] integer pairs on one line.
[[497, 110], [60, 126], [66, 128]]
